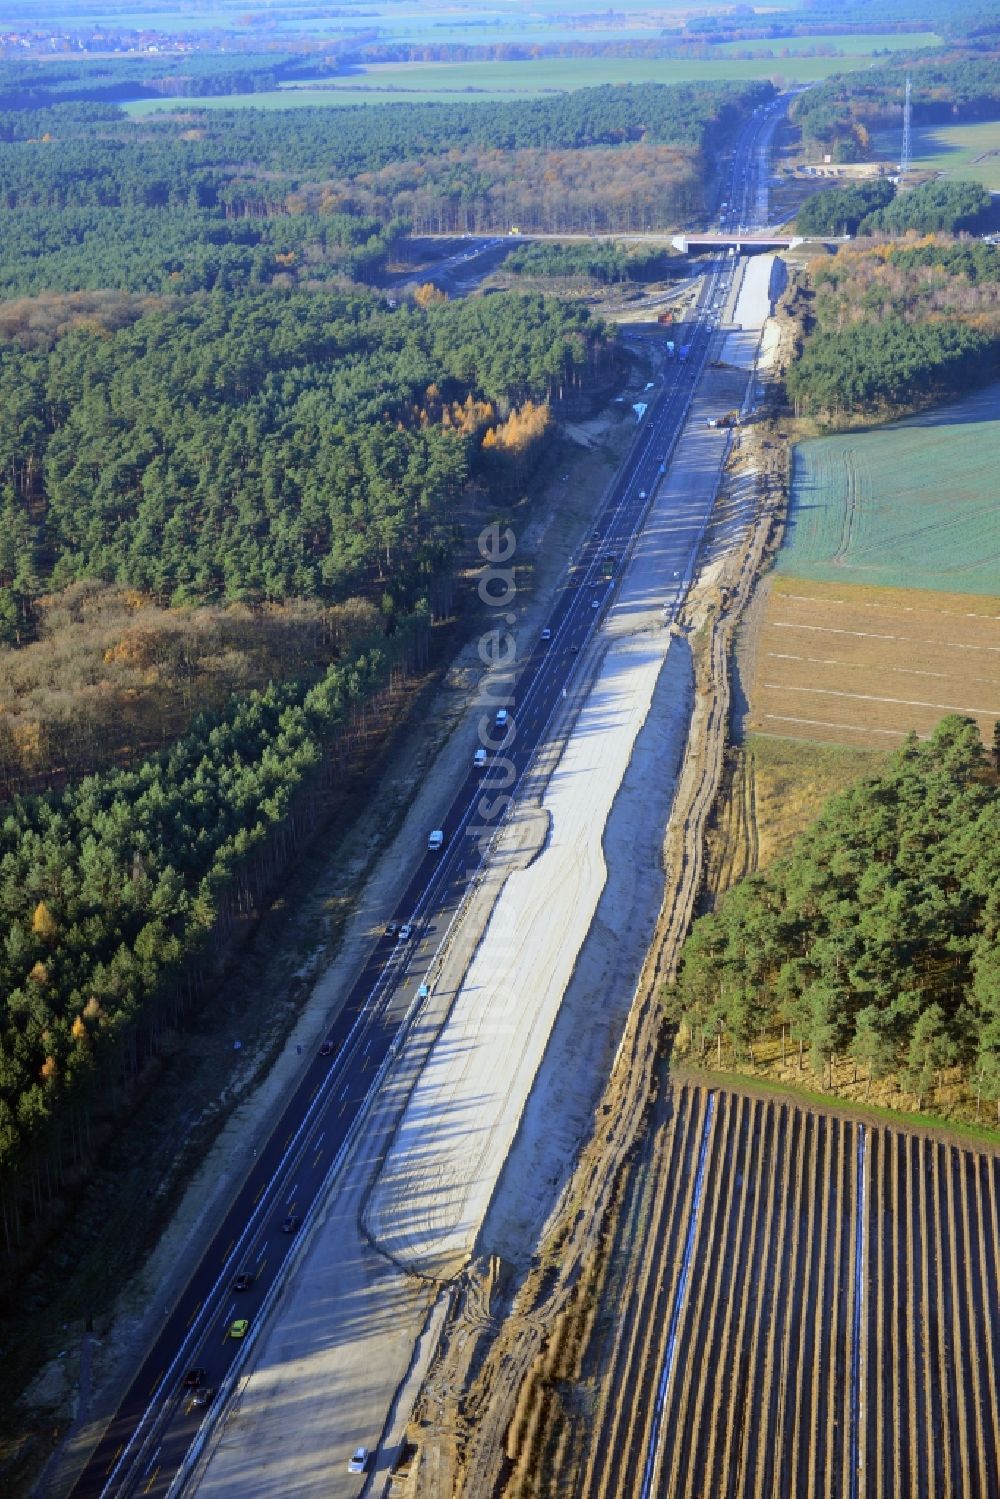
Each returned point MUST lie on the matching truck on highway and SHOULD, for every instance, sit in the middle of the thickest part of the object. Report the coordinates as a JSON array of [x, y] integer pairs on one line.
[[436, 840]]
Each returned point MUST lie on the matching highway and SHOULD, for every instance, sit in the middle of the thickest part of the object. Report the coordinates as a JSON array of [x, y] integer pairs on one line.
[[160, 1421]]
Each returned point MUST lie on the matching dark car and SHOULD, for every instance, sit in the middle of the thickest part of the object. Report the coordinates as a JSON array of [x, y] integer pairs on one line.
[[391, 928], [202, 1395], [291, 1223], [326, 1050], [193, 1378], [243, 1281]]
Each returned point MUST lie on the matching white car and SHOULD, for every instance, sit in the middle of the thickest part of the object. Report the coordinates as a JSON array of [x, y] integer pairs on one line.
[[546, 634], [359, 1462], [405, 932]]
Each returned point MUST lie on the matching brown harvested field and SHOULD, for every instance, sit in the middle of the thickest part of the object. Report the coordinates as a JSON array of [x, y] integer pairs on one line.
[[815, 1318], [862, 666]]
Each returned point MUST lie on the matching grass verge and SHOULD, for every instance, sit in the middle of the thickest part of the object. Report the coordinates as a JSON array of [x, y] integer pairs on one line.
[[752, 1082]]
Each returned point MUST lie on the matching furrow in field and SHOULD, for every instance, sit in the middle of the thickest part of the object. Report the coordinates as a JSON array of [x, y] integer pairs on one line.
[[908, 1313], [880, 1431], [984, 1235], [715, 1473], [839, 1325], [686, 1422], [793, 1308], [964, 1354], [663, 1366], [927, 1324], [736, 1355], [820, 1359], [765, 1309], [729, 1226], [747, 1436], [941, 1303], [801, 1396], [618, 1431], [818, 1318], [775, 1313]]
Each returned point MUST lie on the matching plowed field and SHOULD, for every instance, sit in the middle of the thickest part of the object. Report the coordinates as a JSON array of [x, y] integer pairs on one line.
[[863, 666], [817, 1316]]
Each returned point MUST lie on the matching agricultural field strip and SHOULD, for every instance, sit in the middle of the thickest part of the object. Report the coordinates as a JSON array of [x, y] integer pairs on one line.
[[829, 723], [818, 647], [907, 506], [650, 1472], [873, 1331], [622, 1421], [871, 697]]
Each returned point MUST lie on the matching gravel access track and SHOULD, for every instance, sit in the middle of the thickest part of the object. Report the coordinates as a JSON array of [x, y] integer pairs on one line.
[[816, 1315]]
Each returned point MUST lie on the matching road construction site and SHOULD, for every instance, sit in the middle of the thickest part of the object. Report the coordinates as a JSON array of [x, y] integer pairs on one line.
[[471, 1147]]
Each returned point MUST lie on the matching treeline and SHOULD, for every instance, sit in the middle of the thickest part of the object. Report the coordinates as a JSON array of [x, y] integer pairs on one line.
[[879, 368], [948, 207], [841, 210], [878, 937], [30, 85], [118, 895], [839, 115], [387, 159], [176, 249], [897, 324], [604, 263], [265, 447], [874, 207]]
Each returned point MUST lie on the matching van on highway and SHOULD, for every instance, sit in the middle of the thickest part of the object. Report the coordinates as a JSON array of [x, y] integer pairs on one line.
[[479, 759], [436, 840], [501, 718]]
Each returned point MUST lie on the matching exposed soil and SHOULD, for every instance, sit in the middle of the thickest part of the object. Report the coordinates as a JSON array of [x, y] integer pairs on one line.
[[762, 1357], [864, 666], [496, 1409]]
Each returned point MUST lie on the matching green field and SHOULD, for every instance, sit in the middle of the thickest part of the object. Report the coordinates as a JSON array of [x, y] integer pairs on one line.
[[912, 505], [412, 83], [971, 152]]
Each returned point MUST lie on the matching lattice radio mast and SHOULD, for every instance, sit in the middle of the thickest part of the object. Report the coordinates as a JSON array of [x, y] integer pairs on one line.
[[904, 160]]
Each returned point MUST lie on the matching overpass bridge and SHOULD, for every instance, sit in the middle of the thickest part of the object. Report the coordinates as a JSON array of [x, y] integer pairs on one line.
[[741, 244]]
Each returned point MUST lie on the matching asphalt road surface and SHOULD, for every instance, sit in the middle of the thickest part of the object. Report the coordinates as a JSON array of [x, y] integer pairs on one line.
[[161, 1419]]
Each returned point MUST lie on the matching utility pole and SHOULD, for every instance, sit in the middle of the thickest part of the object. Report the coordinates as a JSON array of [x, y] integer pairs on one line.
[[904, 160]]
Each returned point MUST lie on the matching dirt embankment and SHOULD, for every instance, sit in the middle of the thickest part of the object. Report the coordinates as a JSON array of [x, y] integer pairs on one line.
[[503, 1404]]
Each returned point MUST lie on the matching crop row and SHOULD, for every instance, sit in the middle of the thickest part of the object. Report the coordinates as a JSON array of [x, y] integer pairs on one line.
[[815, 1315]]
